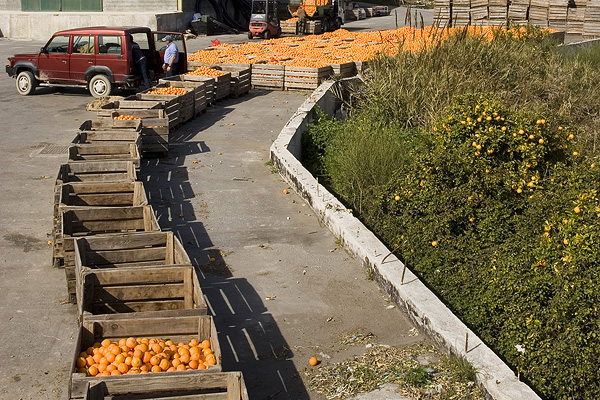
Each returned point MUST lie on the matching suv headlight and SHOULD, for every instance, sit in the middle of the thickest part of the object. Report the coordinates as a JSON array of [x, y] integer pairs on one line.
[[9, 62]]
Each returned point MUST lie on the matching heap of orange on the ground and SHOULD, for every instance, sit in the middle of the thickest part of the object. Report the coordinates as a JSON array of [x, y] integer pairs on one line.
[[338, 47], [143, 355]]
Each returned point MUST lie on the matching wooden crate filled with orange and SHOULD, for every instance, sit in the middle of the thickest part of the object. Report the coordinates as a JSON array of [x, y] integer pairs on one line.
[[306, 74], [132, 348], [217, 385], [170, 94], [222, 79], [290, 26]]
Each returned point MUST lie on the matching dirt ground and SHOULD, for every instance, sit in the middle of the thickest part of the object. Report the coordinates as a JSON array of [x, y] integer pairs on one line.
[[280, 288]]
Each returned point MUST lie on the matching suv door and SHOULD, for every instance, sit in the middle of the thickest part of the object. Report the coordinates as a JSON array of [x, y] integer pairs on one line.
[[179, 41], [110, 54], [83, 56], [54, 61]]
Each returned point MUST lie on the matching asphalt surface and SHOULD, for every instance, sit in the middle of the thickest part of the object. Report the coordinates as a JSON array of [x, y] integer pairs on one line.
[[280, 288]]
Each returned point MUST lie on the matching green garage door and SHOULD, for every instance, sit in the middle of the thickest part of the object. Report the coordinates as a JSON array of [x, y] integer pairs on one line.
[[61, 5]]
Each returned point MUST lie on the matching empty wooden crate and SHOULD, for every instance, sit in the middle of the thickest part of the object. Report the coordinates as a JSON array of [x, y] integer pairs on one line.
[[118, 151], [214, 386], [97, 171], [122, 326], [170, 290]]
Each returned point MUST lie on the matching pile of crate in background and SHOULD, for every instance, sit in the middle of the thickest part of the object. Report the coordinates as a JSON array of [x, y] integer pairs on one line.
[[128, 278], [576, 17]]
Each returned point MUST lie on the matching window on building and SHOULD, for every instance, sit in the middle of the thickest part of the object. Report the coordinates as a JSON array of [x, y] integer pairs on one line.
[[58, 44], [108, 44], [61, 5]]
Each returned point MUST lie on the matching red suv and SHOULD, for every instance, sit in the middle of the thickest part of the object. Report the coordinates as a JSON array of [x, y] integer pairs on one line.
[[98, 57]]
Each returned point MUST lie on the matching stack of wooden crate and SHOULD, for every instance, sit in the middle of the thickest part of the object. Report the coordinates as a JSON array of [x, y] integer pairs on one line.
[[538, 12], [461, 13], [442, 16], [498, 12], [557, 14], [289, 27], [576, 17], [591, 22], [517, 11]]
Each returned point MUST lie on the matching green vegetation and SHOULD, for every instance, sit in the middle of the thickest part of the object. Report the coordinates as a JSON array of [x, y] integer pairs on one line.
[[478, 159]]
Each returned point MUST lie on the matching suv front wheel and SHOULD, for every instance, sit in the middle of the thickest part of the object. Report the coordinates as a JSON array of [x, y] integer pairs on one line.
[[100, 86], [26, 83]]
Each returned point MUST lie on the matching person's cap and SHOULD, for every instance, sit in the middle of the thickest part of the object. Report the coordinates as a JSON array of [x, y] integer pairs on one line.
[[168, 37]]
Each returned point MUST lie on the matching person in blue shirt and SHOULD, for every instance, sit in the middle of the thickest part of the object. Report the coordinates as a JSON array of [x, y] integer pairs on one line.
[[140, 61], [171, 58]]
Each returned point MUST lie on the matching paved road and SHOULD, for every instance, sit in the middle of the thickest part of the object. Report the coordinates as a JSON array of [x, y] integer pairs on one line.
[[227, 206]]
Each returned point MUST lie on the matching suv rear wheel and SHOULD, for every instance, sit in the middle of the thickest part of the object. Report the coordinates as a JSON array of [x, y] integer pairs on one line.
[[26, 83], [100, 86]]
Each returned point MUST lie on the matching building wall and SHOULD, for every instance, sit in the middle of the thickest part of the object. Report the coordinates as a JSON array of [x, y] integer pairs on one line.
[[155, 14]]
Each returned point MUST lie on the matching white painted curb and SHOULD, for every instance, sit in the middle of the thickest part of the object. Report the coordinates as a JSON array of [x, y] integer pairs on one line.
[[425, 310]]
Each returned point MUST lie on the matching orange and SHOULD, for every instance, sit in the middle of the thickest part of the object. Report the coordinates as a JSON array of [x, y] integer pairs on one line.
[[164, 364], [155, 360], [119, 358], [180, 367], [172, 369], [89, 361], [111, 367], [123, 368], [201, 366], [97, 357], [313, 361], [195, 357], [81, 370], [104, 373], [122, 342], [146, 357], [128, 360], [185, 358], [156, 368], [138, 353], [81, 362], [133, 371], [207, 351], [102, 367], [143, 347], [115, 372], [193, 364], [211, 361], [205, 344], [130, 342], [145, 368], [96, 345], [93, 371], [193, 342], [136, 362], [176, 363], [110, 357], [104, 343], [157, 348], [113, 348]]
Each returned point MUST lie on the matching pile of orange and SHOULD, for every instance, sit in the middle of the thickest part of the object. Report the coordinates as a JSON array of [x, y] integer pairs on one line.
[[206, 71], [169, 90], [338, 47], [143, 355], [292, 20], [125, 118]]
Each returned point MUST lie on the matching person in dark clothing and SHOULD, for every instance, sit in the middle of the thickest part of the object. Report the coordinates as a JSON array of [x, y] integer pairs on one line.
[[140, 60]]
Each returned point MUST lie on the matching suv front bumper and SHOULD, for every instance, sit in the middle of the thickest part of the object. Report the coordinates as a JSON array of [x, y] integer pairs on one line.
[[10, 70]]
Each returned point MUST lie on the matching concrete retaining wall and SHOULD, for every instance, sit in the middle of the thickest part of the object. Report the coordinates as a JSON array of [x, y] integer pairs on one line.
[[422, 306]]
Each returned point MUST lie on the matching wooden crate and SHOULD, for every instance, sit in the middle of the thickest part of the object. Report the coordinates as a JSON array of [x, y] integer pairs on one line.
[[313, 28], [96, 171], [90, 195], [306, 78], [266, 76], [170, 104], [98, 151], [241, 78], [217, 385], [345, 70], [161, 291], [124, 250], [118, 326], [200, 89], [154, 128], [289, 27], [104, 124], [221, 83], [75, 222]]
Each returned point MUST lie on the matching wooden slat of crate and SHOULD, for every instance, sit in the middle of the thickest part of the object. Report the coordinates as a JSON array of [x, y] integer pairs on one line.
[[99, 151], [81, 221], [241, 78], [89, 125], [181, 328], [518, 12], [215, 386], [266, 76], [306, 78], [344, 70], [106, 136], [478, 13], [139, 290], [132, 103]]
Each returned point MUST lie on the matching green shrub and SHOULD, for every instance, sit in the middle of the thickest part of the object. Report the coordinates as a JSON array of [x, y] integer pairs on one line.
[[478, 160]]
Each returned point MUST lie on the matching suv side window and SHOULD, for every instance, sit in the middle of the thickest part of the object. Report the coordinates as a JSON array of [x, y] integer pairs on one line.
[[83, 44], [58, 44], [108, 44]]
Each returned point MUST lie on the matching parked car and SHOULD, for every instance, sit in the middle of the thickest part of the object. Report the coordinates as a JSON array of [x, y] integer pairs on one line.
[[98, 57]]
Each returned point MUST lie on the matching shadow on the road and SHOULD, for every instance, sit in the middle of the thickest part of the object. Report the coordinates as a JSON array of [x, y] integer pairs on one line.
[[249, 337]]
